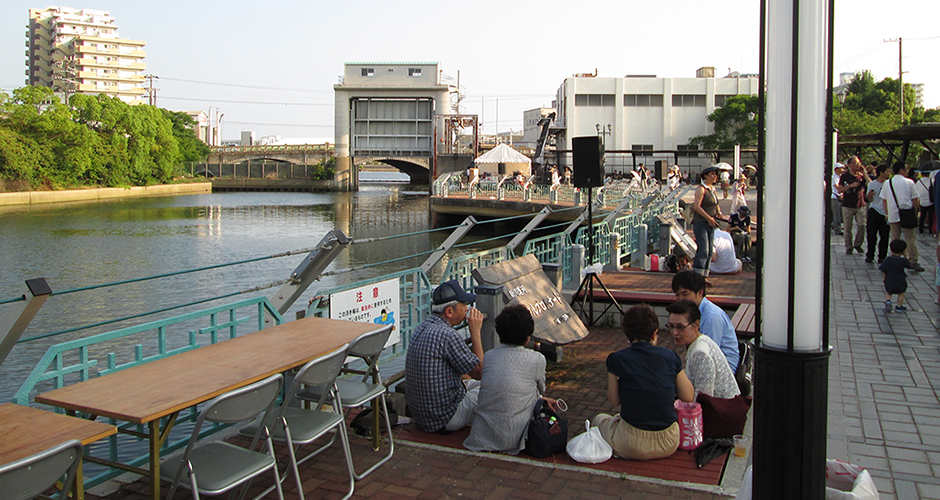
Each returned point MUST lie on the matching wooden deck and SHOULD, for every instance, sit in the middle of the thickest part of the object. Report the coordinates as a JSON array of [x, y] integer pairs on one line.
[[633, 286]]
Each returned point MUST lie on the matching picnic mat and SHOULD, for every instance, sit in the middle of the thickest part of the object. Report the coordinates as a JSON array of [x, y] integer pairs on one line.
[[679, 467]]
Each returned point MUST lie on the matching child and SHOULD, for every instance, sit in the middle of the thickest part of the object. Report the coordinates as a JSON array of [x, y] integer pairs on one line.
[[894, 276]]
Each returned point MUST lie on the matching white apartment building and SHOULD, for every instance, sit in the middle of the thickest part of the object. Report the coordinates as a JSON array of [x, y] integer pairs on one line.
[[79, 50], [644, 112]]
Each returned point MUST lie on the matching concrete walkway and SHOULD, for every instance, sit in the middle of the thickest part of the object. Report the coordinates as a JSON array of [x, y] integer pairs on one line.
[[884, 374]]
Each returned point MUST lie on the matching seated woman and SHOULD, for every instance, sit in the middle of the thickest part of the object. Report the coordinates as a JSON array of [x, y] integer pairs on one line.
[[644, 380], [513, 379], [705, 363]]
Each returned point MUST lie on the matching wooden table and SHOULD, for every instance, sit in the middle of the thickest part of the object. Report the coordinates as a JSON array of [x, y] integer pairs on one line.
[[146, 393], [26, 431]]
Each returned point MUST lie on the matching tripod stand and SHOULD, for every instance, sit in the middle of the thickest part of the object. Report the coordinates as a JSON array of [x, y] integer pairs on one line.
[[587, 283]]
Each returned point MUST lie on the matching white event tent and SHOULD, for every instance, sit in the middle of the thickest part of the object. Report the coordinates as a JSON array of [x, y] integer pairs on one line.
[[504, 155]]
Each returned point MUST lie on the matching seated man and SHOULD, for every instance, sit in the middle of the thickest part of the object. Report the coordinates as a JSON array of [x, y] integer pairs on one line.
[[723, 259], [715, 323], [739, 225], [438, 358]]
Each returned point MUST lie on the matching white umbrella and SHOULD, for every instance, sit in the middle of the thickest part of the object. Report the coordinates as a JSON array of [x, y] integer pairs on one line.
[[724, 166]]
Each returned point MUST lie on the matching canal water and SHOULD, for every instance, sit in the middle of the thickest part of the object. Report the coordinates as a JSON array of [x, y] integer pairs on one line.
[[83, 244]]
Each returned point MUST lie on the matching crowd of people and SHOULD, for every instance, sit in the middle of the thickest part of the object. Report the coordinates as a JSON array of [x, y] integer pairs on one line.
[[452, 384], [888, 205]]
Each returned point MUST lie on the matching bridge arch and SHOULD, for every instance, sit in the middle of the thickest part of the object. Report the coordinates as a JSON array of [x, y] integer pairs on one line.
[[418, 168]]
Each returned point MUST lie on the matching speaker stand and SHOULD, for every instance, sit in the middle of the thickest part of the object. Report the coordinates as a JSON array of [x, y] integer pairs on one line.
[[587, 283]]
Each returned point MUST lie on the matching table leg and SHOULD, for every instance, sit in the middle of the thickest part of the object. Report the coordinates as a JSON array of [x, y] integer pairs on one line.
[[157, 439], [78, 487]]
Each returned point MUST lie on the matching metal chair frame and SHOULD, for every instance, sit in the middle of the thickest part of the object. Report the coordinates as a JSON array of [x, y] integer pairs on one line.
[[368, 347], [239, 405], [30, 476]]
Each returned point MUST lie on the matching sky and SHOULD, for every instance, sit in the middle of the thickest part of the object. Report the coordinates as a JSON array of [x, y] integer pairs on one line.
[[270, 66]]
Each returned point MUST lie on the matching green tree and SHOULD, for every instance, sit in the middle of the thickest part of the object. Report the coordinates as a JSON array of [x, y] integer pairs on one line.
[[184, 129], [733, 124]]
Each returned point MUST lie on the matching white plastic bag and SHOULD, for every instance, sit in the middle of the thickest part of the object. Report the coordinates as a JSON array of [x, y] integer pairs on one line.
[[589, 447], [843, 482]]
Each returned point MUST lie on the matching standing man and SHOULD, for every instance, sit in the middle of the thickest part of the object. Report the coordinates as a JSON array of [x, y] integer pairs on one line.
[[877, 217], [852, 187], [898, 193], [715, 323], [438, 358], [835, 200]]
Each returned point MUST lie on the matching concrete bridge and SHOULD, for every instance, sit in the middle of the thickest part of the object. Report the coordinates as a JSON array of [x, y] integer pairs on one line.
[[301, 154]]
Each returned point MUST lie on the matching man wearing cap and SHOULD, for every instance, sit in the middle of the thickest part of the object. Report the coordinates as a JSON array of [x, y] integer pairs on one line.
[[739, 225], [438, 359]]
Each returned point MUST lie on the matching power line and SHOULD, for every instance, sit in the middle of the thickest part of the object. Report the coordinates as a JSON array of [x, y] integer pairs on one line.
[[280, 124], [246, 86], [209, 99]]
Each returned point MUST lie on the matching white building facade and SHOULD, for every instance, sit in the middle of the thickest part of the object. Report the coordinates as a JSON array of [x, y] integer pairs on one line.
[[644, 112]]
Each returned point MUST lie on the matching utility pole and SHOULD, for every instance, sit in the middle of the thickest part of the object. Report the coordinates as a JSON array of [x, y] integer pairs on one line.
[[151, 91], [900, 75]]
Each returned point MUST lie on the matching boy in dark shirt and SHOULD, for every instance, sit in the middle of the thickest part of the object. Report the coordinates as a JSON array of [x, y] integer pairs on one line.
[[894, 276]]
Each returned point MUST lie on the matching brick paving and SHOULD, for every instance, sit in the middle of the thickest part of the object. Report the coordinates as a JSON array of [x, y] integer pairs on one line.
[[884, 413]]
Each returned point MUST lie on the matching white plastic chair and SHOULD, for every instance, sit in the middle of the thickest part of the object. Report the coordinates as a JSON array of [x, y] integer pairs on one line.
[[217, 467], [30, 476], [356, 393]]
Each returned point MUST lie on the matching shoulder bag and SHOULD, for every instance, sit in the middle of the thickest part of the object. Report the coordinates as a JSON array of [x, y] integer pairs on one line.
[[908, 215]]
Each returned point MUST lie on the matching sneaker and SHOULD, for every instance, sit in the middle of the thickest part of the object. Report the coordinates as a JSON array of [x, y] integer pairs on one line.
[[900, 309], [745, 259], [859, 249], [917, 267], [887, 306]]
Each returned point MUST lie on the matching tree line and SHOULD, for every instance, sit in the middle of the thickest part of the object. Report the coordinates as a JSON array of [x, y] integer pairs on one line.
[[869, 107], [90, 141]]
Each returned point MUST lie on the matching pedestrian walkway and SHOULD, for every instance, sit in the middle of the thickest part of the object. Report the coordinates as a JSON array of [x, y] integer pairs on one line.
[[884, 373]]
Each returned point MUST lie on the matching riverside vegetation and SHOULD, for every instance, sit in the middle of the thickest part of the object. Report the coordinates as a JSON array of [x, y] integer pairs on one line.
[[90, 141]]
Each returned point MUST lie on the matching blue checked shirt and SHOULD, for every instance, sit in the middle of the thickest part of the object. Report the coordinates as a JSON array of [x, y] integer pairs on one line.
[[437, 358]]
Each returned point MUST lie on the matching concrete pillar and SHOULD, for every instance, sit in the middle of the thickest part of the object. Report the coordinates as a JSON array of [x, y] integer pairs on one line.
[[490, 302], [642, 247], [577, 265], [613, 264], [555, 273], [342, 179]]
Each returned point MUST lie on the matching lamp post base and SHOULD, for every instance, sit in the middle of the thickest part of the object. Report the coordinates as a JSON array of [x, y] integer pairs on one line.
[[791, 392]]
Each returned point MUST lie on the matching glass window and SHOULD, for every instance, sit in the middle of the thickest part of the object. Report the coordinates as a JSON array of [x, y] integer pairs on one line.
[[687, 150], [640, 149], [643, 100], [368, 71], [688, 100], [594, 100], [414, 71]]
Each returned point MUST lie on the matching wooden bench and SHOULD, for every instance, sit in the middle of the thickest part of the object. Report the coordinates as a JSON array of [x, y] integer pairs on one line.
[[743, 320]]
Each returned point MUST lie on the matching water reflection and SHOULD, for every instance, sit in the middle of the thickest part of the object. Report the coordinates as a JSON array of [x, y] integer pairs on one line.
[[82, 244]]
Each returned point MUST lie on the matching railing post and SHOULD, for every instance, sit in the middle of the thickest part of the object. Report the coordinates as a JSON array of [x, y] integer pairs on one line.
[[665, 240], [613, 264], [577, 265], [554, 271], [18, 314], [642, 246], [490, 302]]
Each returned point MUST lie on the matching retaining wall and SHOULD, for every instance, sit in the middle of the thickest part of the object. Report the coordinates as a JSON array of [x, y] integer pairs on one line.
[[40, 197]]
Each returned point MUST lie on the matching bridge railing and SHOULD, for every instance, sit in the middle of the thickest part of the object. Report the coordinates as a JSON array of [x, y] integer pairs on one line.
[[281, 148]]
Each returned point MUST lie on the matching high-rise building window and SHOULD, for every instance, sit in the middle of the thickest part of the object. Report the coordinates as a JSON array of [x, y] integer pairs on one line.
[[643, 100], [368, 71], [688, 100], [594, 100]]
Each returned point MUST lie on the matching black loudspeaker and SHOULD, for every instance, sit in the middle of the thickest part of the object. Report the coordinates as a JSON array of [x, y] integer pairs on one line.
[[662, 169], [588, 154]]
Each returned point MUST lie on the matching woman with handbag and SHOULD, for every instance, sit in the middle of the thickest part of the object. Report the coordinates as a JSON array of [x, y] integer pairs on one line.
[[643, 380], [513, 379]]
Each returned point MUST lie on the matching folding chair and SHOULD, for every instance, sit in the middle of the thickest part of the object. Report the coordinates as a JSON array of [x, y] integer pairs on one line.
[[217, 467], [306, 426], [354, 394], [30, 476]]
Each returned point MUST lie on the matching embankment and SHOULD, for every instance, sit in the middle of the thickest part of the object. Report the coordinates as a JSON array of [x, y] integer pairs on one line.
[[41, 197]]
